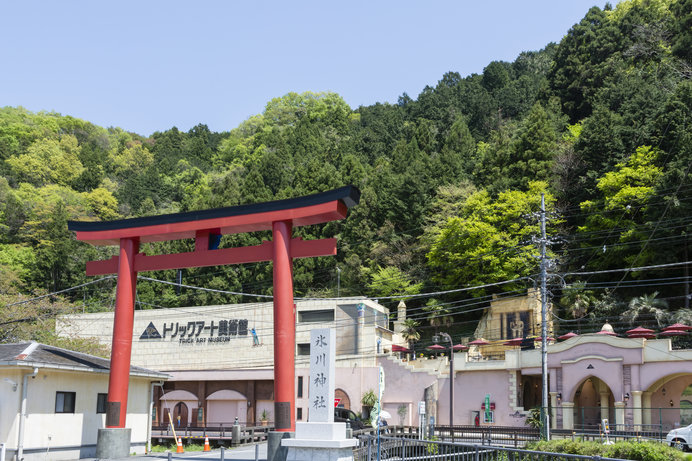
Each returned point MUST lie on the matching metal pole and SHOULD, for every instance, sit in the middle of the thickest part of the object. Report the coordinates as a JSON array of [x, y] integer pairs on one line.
[[451, 384], [338, 282], [545, 418]]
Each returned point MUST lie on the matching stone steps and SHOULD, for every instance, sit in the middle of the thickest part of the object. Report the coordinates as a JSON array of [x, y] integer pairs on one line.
[[431, 367]]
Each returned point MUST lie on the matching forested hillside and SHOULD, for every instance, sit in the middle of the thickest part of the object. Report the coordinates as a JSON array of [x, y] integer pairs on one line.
[[451, 180]]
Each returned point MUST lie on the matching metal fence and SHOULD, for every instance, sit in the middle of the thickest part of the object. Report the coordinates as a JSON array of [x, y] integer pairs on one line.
[[372, 448], [228, 434], [653, 419]]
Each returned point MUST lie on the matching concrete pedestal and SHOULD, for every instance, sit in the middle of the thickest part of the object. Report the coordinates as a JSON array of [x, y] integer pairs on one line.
[[275, 452], [113, 443], [320, 442]]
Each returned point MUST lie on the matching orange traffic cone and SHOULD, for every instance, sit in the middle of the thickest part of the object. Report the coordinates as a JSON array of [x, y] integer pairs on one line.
[[179, 449], [206, 444]]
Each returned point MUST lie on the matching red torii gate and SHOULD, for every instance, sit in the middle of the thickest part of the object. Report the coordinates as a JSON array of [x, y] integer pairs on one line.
[[206, 227]]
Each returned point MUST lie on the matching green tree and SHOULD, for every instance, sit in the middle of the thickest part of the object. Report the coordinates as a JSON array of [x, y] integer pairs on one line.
[[621, 210], [644, 308], [576, 301], [49, 161], [581, 62], [439, 315], [491, 239], [534, 150], [391, 281], [410, 333]]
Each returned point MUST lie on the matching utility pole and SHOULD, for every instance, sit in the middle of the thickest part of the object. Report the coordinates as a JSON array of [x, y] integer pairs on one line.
[[545, 417], [451, 379]]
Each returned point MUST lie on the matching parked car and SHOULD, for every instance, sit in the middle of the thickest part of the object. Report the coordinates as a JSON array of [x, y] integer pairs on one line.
[[343, 415], [680, 438]]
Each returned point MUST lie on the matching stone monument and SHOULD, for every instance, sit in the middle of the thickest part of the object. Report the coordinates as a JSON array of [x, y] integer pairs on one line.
[[321, 439]]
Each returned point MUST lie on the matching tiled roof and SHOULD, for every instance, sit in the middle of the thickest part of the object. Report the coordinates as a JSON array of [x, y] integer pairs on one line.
[[44, 356]]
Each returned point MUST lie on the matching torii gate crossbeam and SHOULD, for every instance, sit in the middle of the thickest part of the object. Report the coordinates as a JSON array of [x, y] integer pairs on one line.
[[206, 227]]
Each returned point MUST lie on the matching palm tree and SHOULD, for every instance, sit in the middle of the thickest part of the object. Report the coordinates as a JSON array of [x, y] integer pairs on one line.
[[646, 304], [576, 300], [438, 315], [410, 334]]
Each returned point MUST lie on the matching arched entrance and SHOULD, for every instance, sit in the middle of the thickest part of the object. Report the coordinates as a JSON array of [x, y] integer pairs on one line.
[[345, 401], [225, 406], [530, 391], [180, 415], [593, 402], [178, 403], [667, 403]]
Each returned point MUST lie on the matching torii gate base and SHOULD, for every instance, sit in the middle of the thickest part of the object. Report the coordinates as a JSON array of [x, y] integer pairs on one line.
[[206, 227]]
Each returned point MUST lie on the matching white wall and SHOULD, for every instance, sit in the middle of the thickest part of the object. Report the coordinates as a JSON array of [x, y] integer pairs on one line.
[[62, 435]]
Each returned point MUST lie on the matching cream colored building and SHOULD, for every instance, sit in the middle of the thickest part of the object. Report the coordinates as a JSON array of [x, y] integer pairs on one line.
[[63, 395], [221, 358]]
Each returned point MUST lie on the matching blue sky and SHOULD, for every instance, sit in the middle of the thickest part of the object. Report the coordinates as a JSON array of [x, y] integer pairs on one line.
[[147, 66]]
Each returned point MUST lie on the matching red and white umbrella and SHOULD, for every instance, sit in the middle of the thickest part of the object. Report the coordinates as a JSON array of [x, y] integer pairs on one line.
[[673, 333], [639, 331], [460, 347], [436, 347], [678, 327], [642, 335]]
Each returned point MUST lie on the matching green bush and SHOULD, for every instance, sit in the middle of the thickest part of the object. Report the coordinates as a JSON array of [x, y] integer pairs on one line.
[[641, 451], [172, 447]]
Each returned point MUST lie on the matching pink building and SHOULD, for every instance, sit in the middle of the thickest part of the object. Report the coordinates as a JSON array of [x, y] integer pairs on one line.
[[635, 383]]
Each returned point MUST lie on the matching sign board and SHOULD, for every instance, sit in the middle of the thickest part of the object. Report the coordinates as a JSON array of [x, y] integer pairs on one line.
[[336, 402], [488, 416], [421, 407], [322, 355], [606, 427], [381, 382], [197, 331]]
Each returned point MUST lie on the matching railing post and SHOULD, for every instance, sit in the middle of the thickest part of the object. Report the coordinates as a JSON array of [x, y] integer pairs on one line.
[[476, 456], [403, 448], [223, 454]]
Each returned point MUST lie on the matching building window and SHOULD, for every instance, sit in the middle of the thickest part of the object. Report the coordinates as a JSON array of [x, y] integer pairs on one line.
[[300, 386], [325, 315], [299, 414], [64, 402], [304, 349], [101, 403]]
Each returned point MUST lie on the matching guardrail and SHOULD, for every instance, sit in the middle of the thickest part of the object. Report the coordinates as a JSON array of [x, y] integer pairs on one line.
[[220, 435], [411, 449]]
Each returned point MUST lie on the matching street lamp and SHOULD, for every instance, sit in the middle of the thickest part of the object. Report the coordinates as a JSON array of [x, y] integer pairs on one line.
[[451, 380]]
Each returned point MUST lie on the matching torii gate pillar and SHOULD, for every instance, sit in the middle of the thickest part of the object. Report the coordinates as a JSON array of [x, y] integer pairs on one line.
[[123, 321], [206, 227], [284, 329]]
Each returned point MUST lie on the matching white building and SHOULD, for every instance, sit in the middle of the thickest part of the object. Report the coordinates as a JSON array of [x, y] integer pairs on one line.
[[53, 401]]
